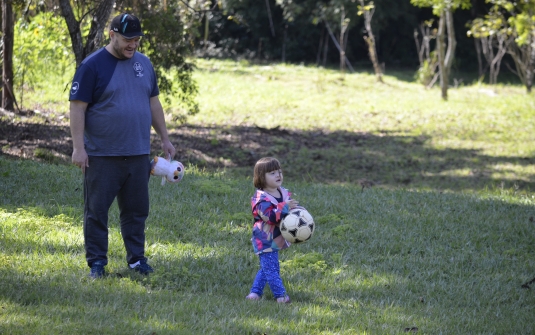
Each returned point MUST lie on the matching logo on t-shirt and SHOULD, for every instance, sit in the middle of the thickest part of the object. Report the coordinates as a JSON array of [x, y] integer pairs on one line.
[[74, 88], [138, 68]]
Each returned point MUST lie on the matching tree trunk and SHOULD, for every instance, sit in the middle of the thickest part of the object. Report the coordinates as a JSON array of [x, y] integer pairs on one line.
[[74, 31], [452, 45], [206, 29], [530, 65], [341, 41], [270, 19], [370, 41], [100, 16], [98, 24], [8, 98], [480, 71], [337, 46], [318, 56], [441, 55], [445, 57], [284, 43], [325, 49]]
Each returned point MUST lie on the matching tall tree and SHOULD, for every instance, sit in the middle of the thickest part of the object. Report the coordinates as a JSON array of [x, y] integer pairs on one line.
[[446, 51]]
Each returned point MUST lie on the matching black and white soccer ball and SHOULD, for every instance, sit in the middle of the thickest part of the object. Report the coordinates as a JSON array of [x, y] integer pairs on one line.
[[297, 226]]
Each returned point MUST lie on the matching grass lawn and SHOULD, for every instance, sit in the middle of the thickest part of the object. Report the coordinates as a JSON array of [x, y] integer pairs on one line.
[[446, 253]]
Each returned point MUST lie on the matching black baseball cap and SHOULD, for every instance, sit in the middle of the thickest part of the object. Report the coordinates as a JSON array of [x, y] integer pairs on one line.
[[127, 25]]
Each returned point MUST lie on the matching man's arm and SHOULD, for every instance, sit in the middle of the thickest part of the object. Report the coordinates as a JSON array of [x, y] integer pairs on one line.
[[77, 121], [158, 123]]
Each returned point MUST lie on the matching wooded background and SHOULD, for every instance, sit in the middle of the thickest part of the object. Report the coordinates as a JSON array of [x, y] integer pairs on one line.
[[475, 36]]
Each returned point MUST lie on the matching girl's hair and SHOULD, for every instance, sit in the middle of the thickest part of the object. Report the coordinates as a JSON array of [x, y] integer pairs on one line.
[[263, 166]]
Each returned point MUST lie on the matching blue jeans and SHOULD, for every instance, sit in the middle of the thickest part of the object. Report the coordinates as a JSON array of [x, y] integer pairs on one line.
[[269, 273]]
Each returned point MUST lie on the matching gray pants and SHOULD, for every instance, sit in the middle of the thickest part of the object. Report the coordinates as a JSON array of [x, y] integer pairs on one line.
[[125, 178]]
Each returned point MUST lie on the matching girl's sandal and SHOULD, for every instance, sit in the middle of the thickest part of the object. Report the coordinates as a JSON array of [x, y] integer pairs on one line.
[[283, 300], [252, 296]]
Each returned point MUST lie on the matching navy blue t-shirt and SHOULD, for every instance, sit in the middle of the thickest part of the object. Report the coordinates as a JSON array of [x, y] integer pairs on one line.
[[118, 91]]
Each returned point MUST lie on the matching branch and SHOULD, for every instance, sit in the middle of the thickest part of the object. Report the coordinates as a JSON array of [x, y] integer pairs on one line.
[[337, 45]]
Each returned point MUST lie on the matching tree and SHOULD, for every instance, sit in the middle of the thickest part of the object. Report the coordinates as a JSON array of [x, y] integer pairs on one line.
[[333, 14], [492, 39], [446, 51], [367, 11], [508, 27], [522, 21], [426, 74]]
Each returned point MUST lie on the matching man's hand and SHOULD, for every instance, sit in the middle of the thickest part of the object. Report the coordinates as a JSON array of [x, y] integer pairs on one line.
[[80, 159], [169, 150]]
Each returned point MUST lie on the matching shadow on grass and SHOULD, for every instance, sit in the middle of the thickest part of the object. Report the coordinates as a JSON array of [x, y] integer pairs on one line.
[[343, 157], [388, 261], [387, 258], [385, 159]]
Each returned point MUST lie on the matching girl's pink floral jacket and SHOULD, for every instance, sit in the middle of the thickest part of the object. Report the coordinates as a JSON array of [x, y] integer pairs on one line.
[[268, 213]]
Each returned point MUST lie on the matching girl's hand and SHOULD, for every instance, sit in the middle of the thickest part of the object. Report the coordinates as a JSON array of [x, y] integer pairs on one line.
[[292, 203]]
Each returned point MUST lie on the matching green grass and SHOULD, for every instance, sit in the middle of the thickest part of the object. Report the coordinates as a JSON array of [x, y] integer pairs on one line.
[[382, 260], [396, 133]]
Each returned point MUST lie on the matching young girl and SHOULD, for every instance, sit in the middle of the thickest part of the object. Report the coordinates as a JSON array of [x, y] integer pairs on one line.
[[270, 204]]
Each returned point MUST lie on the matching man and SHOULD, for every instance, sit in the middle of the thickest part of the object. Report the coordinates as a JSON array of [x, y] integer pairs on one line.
[[113, 104]]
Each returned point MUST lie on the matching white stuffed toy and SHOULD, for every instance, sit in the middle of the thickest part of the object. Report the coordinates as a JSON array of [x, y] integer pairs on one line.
[[171, 171]]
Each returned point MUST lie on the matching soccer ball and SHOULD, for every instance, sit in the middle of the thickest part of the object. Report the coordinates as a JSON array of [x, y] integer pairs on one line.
[[297, 226]]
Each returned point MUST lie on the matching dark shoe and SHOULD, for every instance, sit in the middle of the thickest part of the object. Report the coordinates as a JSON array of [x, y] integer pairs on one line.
[[97, 270], [142, 268]]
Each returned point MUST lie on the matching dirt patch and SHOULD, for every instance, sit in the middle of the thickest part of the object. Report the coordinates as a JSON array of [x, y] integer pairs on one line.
[[205, 146]]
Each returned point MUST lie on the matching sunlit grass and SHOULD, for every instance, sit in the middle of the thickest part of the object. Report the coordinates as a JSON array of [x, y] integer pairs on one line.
[[307, 97], [481, 129]]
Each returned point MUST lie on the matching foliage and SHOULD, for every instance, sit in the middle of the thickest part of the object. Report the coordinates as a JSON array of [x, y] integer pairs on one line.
[[41, 48], [241, 29], [493, 23], [440, 5], [165, 44], [426, 71], [508, 20]]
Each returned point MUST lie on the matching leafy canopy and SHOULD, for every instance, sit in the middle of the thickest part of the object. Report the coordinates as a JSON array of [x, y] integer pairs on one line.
[[440, 5]]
